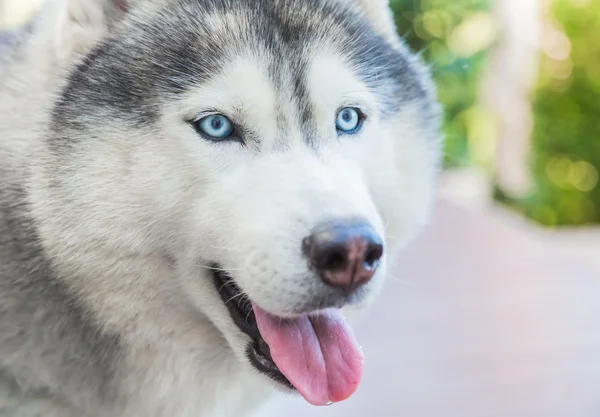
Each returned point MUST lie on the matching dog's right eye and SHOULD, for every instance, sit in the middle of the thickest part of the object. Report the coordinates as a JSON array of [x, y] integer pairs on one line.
[[349, 120], [214, 127]]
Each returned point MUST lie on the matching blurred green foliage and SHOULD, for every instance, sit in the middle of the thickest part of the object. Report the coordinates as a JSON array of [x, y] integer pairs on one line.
[[453, 37], [566, 106]]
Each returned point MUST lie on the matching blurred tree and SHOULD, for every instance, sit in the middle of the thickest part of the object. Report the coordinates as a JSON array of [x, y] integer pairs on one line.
[[453, 37], [566, 105]]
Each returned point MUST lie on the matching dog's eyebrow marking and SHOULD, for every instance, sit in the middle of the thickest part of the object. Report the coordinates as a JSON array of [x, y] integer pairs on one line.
[[293, 112], [303, 101]]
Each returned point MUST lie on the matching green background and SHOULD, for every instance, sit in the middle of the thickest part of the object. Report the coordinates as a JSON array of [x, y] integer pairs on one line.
[[455, 37]]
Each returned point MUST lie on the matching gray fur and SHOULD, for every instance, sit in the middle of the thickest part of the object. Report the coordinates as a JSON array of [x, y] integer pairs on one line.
[[109, 214]]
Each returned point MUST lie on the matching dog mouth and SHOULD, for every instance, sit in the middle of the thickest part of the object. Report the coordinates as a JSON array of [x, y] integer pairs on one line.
[[242, 313], [315, 354]]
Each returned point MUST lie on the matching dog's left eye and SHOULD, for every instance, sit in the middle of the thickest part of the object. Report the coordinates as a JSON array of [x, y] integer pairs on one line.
[[349, 120], [214, 126]]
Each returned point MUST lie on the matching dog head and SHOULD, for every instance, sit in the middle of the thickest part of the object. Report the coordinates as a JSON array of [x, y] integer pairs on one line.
[[276, 151]]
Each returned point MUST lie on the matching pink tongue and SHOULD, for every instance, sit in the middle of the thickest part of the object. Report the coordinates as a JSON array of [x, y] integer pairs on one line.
[[318, 355]]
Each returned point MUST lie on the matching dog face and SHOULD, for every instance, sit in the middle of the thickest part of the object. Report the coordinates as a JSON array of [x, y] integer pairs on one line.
[[276, 151]]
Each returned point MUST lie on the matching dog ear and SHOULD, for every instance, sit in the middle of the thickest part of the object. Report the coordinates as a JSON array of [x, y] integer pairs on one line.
[[76, 25], [380, 15]]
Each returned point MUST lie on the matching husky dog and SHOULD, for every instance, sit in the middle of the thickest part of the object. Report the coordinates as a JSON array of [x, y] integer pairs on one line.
[[191, 193]]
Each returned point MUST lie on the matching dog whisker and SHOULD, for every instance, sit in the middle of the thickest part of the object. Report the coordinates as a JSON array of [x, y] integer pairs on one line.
[[402, 281], [240, 295], [226, 249], [213, 268], [250, 311], [387, 223]]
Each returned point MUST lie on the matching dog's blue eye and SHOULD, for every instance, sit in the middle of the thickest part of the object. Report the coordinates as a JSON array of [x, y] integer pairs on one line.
[[348, 120], [215, 126]]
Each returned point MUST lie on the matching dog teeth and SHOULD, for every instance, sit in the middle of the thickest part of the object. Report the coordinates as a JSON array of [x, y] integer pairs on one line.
[[267, 362], [264, 348]]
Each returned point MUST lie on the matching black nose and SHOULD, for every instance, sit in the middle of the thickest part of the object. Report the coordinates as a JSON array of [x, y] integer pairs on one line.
[[346, 254]]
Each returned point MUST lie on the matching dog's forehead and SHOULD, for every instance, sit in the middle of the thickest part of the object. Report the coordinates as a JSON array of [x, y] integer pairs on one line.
[[205, 34], [166, 52]]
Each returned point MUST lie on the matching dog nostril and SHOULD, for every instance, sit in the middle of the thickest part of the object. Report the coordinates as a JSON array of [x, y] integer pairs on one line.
[[374, 255], [335, 260]]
